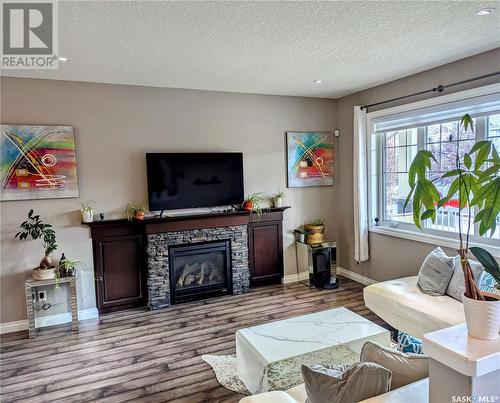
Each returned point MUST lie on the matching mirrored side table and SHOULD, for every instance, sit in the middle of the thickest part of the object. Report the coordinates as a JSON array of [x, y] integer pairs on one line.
[[317, 264]]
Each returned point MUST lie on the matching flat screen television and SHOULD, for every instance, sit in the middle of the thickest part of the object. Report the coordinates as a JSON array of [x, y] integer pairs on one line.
[[191, 180]]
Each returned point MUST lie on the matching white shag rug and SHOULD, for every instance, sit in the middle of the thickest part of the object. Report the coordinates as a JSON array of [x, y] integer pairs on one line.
[[280, 375]]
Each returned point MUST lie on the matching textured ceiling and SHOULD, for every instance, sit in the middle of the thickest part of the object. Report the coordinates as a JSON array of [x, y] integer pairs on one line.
[[266, 47]]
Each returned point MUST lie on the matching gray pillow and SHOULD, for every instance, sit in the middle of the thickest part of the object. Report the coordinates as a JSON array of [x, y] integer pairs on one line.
[[359, 382], [435, 273], [405, 367], [456, 288]]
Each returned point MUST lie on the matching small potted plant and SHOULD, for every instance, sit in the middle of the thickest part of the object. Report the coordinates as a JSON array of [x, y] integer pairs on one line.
[[476, 185], [35, 228], [255, 202], [300, 234], [316, 231], [133, 211], [67, 266], [278, 199], [87, 212]]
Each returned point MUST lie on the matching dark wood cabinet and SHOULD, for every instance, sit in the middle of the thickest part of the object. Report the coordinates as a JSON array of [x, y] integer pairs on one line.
[[119, 272], [265, 248]]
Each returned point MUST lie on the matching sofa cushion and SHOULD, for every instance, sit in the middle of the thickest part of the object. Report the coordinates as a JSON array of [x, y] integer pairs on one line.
[[409, 344], [405, 367], [360, 381], [456, 288], [435, 273], [401, 304]]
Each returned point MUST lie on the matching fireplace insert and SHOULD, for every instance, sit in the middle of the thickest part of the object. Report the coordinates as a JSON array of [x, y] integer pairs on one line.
[[200, 270]]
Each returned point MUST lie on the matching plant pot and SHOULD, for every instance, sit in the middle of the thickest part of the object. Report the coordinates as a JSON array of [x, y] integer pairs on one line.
[[482, 317], [139, 215], [278, 202], [315, 234], [300, 237], [247, 205], [87, 215], [43, 274]]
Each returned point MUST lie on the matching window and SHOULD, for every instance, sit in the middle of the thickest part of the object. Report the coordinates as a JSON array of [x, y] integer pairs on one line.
[[394, 142]]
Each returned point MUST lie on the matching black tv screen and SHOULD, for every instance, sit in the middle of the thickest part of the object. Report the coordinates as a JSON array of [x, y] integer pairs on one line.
[[189, 180]]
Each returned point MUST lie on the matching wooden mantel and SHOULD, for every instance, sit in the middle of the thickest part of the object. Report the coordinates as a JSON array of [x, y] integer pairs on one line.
[[119, 248]]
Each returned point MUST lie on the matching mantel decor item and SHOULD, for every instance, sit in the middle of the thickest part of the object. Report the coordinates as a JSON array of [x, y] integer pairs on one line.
[[315, 231], [310, 157], [133, 211], [278, 199], [87, 212], [35, 228], [474, 183], [38, 162], [255, 202]]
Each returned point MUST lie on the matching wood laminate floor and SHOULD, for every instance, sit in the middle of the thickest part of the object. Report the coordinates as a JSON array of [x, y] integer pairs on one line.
[[139, 355]]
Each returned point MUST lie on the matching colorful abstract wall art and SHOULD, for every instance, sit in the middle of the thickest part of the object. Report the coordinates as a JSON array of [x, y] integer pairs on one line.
[[310, 157], [37, 162]]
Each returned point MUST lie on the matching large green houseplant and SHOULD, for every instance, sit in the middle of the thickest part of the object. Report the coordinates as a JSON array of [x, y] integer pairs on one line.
[[475, 184]]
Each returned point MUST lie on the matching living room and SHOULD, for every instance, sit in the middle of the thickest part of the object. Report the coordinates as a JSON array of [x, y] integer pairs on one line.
[[288, 115]]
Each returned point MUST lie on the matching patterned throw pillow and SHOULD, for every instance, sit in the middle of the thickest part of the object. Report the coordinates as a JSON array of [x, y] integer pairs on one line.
[[487, 282], [409, 344]]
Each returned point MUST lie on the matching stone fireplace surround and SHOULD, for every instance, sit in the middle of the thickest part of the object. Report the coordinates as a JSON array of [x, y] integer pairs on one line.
[[158, 272]]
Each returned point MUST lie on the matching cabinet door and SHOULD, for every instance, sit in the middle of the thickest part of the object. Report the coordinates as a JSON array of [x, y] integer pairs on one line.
[[266, 252], [119, 272]]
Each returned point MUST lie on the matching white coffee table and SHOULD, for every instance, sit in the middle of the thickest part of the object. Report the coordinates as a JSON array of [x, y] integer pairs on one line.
[[269, 356]]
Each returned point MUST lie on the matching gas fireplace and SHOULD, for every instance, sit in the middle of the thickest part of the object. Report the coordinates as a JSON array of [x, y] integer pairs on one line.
[[200, 270]]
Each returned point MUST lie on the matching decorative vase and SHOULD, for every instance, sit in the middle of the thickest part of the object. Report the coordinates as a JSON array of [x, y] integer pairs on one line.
[[300, 237], [139, 215], [247, 205], [482, 317], [278, 202], [87, 215], [315, 234], [43, 274]]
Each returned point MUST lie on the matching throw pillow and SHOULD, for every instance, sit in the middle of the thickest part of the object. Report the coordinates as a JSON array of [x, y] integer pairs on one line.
[[435, 273], [409, 344], [487, 282], [359, 382], [405, 367], [456, 288]]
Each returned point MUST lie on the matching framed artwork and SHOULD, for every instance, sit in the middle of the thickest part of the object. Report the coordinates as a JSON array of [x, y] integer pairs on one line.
[[37, 162], [310, 157]]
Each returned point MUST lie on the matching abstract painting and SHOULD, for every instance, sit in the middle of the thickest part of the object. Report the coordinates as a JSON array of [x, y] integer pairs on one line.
[[310, 159], [37, 162]]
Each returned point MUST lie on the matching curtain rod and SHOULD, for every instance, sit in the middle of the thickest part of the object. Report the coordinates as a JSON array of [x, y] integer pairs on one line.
[[439, 88]]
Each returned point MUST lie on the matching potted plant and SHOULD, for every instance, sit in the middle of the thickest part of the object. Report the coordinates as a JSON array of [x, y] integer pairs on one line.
[[132, 211], [67, 266], [278, 199], [37, 229], [316, 230], [300, 234], [255, 202], [475, 184], [87, 212]]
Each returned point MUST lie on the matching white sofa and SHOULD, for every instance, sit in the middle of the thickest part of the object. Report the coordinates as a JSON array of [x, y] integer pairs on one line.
[[417, 392], [403, 306]]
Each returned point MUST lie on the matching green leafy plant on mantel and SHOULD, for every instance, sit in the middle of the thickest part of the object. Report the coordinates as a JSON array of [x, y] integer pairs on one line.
[[476, 184]]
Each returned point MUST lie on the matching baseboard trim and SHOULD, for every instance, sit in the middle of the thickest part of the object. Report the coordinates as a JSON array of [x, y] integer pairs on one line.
[[294, 278], [355, 276], [49, 320]]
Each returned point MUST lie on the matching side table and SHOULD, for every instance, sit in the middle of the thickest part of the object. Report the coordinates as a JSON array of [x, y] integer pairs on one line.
[[30, 284]]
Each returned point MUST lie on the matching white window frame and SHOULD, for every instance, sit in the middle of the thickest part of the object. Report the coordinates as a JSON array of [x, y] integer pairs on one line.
[[375, 191]]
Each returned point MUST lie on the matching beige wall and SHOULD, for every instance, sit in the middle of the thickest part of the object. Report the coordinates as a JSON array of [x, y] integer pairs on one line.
[[393, 257], [115, 126]]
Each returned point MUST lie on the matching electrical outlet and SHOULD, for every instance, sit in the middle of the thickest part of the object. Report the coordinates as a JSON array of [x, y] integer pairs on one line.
[[42, 295]]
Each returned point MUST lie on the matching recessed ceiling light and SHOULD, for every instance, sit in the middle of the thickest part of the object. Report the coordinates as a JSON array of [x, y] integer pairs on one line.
[[318, 81], [63, 59], [485, 11]]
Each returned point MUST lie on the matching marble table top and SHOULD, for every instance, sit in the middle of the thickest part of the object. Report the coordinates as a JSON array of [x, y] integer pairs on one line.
[[275, 341]]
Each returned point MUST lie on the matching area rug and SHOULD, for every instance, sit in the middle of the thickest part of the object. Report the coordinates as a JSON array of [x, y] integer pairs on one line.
[[281, 375]]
